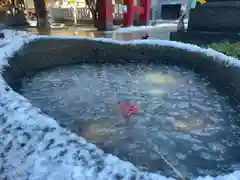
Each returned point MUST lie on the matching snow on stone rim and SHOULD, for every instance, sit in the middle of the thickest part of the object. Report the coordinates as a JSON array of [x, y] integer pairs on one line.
[[33, 146]]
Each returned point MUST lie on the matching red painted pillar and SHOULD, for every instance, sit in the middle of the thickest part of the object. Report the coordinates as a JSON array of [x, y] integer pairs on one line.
[[145, 16], [105, 15], [129, 15]]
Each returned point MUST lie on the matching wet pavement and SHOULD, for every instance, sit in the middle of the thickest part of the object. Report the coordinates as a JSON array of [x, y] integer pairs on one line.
[[154, 33]]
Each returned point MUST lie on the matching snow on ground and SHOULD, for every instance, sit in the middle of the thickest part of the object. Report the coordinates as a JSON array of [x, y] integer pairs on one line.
[[32, 23], [158, 21], [143, 28], [34, 147]]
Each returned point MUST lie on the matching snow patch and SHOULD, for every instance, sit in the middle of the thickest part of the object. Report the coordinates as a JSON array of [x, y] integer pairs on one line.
[[12, 42], [33, 146], [145, 28], [32, 23]]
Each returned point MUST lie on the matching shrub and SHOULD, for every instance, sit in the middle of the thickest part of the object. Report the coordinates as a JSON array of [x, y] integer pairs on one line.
[[230, 49]]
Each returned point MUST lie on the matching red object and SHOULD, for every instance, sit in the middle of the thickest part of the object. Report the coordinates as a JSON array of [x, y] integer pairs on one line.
[[143, 10], [128, 109], [105, 9], [128, 16], [145, 16]]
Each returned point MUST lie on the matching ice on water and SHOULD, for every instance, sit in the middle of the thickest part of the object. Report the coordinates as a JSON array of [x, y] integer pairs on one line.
[[186, 121]]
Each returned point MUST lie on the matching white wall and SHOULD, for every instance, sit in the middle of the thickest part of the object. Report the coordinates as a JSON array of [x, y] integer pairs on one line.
[[155, 3]]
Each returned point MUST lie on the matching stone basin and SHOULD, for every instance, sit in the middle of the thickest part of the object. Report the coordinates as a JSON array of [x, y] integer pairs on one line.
[[35, 146]]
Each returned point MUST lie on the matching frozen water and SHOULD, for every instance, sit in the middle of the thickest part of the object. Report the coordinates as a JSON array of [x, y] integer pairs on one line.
[[179, 111]]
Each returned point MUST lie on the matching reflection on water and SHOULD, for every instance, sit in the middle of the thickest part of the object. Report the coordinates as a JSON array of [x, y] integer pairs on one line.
[[191, 124]]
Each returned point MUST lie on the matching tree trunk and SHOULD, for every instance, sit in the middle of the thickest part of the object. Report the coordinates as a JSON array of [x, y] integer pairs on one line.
[[97, 14], [94, 7], [95, 19], [42, 16]]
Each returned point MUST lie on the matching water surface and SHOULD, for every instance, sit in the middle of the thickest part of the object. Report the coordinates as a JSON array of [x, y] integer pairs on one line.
[[181, 116]]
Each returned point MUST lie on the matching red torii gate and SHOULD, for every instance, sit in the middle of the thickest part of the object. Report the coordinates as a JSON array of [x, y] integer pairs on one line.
[[143, 10], [106, 13]]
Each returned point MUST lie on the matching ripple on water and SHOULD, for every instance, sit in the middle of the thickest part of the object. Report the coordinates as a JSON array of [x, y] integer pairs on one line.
[[190, 123]]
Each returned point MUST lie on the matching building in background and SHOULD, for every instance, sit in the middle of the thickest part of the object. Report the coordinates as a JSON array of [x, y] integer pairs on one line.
[[62, 10]]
